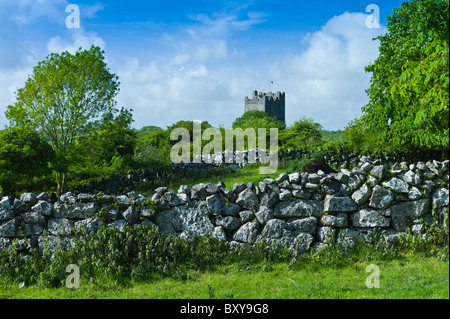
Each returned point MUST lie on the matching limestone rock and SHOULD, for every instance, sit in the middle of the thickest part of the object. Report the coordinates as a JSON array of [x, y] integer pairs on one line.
[[411, 178], [269, 198], [68, 198], [381, 197], [219, 233], [369, 218], [89, 224], [131, 215], [8, 228], [349, 237], [275, 228], [325, 234], [379, 172], [60, 226], [239, 187], [440, 197], [339, 204], [362, 194], [246, 215], [43, 207], [186, 221], [231, 209], [298, 208], [247, 199], [263, 214], [228, 222], [338, 220], [33, 218], [304, 225], [215, 203], [403, 214], [397, 185], [247, 233], [29, 198]]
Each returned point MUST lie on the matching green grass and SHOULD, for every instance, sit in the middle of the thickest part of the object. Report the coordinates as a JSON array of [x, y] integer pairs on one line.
[[412, 275], [331, 135], [247, 174]]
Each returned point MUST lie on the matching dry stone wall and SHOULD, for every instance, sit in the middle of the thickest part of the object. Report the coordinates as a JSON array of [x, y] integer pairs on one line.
[[298, 211]]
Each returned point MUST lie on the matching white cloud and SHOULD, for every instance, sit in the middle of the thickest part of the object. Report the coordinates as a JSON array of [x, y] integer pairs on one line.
[[161, 93], [327, 80], [190, 82], [10, 81], [78, 38], [202, 76]]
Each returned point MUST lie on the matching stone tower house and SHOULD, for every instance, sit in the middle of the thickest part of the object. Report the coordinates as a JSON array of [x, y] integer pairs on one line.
[[271, 103]]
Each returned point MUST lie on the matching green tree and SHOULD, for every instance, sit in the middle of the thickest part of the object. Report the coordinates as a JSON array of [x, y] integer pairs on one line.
[[146, 130], [107, 149], [63, 97], [153, 150], [258, 119], [360, 137], [25, 160], [409, 90], [304, 133]]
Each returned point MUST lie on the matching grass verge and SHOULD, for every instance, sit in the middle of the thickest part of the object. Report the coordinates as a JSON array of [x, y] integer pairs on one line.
[[411, 275]]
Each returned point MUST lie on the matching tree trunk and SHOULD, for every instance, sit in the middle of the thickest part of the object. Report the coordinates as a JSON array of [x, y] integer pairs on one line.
[[61, 180]]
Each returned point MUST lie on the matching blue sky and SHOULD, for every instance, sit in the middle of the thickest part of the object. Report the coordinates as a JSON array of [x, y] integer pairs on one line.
[[197, 60]]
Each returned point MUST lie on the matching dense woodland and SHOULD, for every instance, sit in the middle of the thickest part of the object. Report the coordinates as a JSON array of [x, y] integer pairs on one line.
[[66, 128]]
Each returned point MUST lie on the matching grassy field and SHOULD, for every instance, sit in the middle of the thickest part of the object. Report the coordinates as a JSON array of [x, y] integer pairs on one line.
[[229, 178], [410, 276]]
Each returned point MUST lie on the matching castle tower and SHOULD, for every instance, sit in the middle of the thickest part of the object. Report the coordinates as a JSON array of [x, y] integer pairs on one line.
[[271, 103]]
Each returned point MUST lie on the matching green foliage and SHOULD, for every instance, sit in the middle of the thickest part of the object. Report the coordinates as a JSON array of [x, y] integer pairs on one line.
[[25, 160], [296, 165], [409, 89], [62, 99], [188, 125], [136, 253], [328, 136], [258, 119], [435, 242], [360, 137], [146, 130], [140, 253], [153, 149], [303, 134], [107, 149]]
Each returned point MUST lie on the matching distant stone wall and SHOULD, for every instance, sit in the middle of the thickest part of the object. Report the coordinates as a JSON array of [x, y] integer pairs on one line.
[[298, 211], [125, 183]]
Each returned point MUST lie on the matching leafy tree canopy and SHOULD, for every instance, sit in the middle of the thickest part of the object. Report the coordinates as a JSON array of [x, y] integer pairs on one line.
[[258, 119], [304, 133], [409, 90], [24, 158], [63, 98]]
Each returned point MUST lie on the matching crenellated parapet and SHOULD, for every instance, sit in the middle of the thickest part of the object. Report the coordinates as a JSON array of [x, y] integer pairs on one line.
[[271, 103]]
